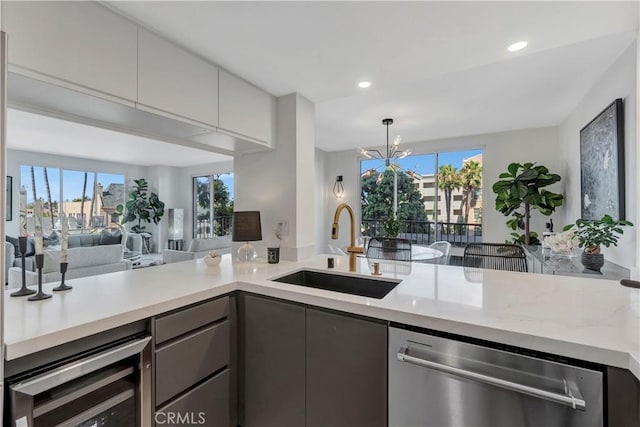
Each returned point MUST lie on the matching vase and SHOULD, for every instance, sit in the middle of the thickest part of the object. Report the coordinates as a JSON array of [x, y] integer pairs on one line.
[[593, 262]]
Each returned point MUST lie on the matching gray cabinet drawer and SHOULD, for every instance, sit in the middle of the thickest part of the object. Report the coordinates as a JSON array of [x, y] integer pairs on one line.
[[178, 323], [207, 404], [188, 360]]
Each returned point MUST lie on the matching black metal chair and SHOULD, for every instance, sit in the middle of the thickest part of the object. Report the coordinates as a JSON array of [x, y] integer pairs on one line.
[[389, 248], [495, 256]]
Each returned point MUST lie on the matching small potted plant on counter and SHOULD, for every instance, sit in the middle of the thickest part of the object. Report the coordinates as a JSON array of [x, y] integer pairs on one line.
[[592, 234]]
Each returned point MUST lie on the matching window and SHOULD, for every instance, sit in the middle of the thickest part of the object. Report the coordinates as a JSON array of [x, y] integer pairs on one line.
[[438, 204], [89, 198], [216, 222]]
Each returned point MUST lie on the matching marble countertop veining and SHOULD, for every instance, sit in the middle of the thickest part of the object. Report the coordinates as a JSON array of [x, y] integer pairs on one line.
[[593, 320]]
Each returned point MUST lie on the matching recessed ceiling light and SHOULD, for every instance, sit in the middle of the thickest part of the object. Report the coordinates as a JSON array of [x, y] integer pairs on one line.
[[517, 46], [364, 85]]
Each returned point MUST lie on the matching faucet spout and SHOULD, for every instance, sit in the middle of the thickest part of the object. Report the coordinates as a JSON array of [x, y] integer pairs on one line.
[[352, 249]]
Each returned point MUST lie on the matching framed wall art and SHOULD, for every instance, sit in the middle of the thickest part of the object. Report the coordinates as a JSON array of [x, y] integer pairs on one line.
[[602, 164]]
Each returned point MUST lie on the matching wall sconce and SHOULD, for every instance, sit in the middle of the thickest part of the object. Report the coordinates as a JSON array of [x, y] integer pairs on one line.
[[338, 189]]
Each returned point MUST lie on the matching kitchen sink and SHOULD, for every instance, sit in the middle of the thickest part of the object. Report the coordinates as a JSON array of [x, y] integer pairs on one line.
[[372, 288]]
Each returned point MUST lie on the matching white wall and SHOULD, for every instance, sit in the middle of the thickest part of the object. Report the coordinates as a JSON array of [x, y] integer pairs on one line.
[[281, 183], [619, 81], [530, 145]]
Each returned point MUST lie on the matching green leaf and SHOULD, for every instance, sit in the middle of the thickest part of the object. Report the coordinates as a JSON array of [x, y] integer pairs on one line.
[[513, 169]]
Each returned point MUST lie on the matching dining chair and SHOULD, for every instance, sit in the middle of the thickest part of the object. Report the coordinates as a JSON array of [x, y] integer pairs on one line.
[[495, 256], [445, 248], [389, 248]]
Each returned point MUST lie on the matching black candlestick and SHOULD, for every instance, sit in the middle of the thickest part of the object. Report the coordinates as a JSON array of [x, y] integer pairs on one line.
[[23, 291], [63, 286], [40, 295]]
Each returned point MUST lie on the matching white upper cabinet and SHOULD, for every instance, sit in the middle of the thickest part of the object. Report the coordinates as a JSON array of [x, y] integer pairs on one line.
[[246, 110], [174, 81], [78, 43]]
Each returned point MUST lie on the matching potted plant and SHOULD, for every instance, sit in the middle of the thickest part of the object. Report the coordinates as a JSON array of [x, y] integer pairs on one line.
[[391, 227], [519, 191], [592, 234], [141, 207]]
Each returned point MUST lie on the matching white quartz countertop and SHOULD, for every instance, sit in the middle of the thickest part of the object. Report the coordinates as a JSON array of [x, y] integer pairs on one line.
[[593, 320]]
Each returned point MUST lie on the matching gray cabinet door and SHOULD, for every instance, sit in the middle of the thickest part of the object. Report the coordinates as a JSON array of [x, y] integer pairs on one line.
[[272, 349], [346, 371]]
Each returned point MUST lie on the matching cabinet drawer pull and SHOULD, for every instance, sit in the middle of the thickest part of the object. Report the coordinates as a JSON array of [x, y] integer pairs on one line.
[[572, 398]]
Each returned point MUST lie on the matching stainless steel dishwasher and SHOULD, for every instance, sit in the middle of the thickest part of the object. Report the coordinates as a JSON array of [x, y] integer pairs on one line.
[[437, 381]]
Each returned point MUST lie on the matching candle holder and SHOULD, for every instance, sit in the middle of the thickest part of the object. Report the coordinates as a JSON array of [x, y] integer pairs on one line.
[[40, 295], [63, 286], [23, 291]]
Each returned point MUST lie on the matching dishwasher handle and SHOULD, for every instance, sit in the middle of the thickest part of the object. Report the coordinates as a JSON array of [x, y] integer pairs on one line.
[[571, 398], [79, 368]]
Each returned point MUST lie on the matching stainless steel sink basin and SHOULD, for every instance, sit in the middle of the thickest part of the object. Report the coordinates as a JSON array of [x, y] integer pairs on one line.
[[372, 288]]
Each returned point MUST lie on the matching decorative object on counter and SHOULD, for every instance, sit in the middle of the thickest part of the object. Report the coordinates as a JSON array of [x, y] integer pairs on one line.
[[338, 188], [602, 164], [563, 244], [141, 207], [592, 234], [273, 253], [212, 259], [246, 228], [64, 255], [40, 295], [63, 286], [23, 291], [520, 190], [331, 262]]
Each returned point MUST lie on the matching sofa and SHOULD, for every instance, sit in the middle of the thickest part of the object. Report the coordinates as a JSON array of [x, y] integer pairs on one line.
[[198, 249], [89, 254]]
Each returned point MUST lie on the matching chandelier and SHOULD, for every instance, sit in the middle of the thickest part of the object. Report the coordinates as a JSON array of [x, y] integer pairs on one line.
[[390, 158]]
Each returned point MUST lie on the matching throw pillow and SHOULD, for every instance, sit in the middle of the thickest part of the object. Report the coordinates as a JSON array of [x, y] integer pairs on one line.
[[108, 237], [51, 240], [14, 242]]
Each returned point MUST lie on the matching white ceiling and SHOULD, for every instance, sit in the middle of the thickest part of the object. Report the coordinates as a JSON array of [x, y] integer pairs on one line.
[[33, 132], [440, 69]]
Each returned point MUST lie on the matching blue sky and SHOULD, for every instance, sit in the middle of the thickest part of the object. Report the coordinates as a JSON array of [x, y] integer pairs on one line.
[[73, 181], [227, 180], [423, 163]]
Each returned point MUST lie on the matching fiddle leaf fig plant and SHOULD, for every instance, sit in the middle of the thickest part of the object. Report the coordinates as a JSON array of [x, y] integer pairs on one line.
[[592, 234], [521, 190], [141, 207]]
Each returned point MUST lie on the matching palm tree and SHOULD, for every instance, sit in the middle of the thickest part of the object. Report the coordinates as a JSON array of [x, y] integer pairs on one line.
[[46, 183], [471, 177], [448, 180], [84, 195], [33, 184], [93, 199]]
